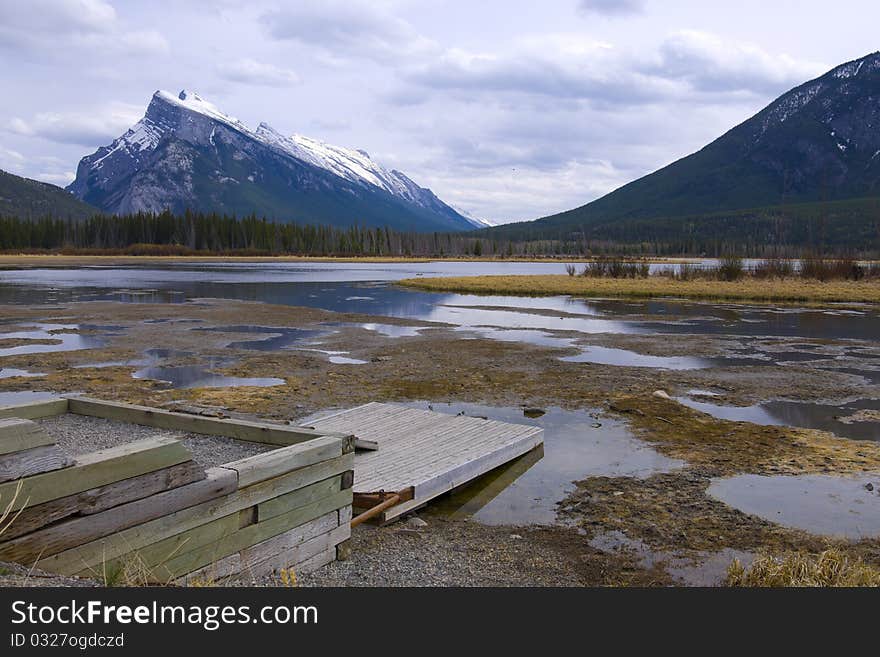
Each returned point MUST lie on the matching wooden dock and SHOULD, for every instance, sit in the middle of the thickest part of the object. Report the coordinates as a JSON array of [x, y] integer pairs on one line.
[[425, 452]]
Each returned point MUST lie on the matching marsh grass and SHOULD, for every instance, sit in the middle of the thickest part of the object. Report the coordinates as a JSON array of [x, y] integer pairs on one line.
[[831, 568], [774, 268], [749, 288], [613, 268]]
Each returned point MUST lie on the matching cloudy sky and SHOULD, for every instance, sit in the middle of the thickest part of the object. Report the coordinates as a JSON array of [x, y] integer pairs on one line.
[[508, 109]]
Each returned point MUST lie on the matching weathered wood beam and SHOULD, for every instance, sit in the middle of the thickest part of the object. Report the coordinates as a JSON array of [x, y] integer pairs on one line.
[[30, 548], [33, 461], [35, 409], [98, 469], [90, 555], [106, 497], [257, 432], [264, 466], [17, 434]]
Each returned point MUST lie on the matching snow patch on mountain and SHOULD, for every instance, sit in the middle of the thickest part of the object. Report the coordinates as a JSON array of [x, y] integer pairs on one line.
[[195, 103]]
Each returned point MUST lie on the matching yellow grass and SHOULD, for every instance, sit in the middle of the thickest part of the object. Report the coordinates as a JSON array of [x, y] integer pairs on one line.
[[748, 289], [829, 568], [6, 515]]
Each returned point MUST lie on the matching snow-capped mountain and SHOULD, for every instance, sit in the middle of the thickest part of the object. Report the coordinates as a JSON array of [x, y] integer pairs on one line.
[[357, 166], [187, 153]]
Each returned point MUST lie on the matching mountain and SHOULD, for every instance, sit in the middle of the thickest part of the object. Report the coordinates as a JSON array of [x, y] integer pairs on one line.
[[26, 198], [818, 143], [187, 154]]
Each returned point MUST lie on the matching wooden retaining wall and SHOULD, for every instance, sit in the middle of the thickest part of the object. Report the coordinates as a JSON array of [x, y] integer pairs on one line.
[[146, 512]]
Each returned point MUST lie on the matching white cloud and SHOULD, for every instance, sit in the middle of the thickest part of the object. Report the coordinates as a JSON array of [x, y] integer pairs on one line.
[[10, 160], [58, 16], [51, 27], [91, 129], [348, 28], [61, 179], [251, 71], [688, 63], [709, 63], [612, 7]]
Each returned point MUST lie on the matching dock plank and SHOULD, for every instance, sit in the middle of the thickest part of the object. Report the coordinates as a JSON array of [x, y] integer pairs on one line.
[[429, 451]]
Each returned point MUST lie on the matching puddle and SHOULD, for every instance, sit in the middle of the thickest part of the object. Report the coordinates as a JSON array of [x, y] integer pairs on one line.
[[151, 357], [337, 357], [710, 569], [275, 338], [527, 490], [696, 392], [851, 419], [603, 355], [23, 397], [513, 318], [871, 376], [393, 330], [756, 414], [11, 372], [345, 360], [819, 504], [623, 357], [529, 336], [797, 356], [706, 569], [57, 337], [196, 376]]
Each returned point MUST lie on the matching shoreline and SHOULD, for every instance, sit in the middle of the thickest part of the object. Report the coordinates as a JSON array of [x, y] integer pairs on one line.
[[17, 259], [745, 290]]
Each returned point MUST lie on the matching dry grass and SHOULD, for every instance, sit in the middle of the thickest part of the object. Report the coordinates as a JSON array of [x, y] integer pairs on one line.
[[6, 515], [829, 568], [747, 289]]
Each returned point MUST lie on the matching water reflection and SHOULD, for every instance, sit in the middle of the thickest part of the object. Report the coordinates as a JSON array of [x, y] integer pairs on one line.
[[11, 373], [274, 337], [623, 357], [820, 504], [23, 397], [196, 376], [48, 338], [576, 446], [836, 418]]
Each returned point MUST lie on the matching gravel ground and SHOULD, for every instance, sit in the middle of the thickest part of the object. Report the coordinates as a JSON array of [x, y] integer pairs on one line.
[[13, 574], [448, 552], [81, 434]]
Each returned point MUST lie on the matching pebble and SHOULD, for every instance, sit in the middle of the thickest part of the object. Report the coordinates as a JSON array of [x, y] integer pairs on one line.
[[516, 537], [81, 434], [869, 487]]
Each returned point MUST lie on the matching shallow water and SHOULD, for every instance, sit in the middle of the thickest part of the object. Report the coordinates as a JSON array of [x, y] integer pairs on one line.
[[576, 446], [11, 372], [23, 397], [819, 504], [196, 376], [610, 356], [62, 340], [364, 288], [836, 418], [274, 337]]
